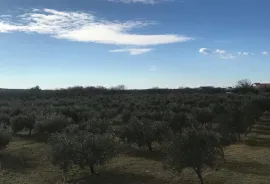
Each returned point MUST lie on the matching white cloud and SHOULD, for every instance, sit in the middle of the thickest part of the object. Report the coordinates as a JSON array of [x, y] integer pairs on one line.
[[264, 53], [218, 53], [205, 51], [85, 27], [152, 68], [245, 53], [227, 56], [140, 1], [133, 51]]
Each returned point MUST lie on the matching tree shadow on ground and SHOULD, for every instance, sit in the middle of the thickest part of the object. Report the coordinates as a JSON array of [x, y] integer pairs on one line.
[[33, 137], [248, 168], [263, 128], [156, 155], [116, 177], [258, 142], [262, 124], [17, 163], [264, 120], [261, 132]]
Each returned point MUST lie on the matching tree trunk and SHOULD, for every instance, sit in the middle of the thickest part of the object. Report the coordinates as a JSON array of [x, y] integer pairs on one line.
[[199, 174], [150, 146], [64, 175], [239, 137], [92, 170], [30, 131], [223, 155]]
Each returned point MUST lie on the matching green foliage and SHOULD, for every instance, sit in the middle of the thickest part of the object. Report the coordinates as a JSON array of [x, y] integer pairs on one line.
[[5, 136], [178, 121], [195, 148], [16, 111], [81, 120], [203, 115], [23, 121], [94, 126], [82, 149], [144, 132], [5, 118], [51, 123]]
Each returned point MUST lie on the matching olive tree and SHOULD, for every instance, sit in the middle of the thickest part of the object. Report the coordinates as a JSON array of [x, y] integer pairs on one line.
[[225, 128], [144, 132], [51, 123], [252, 113], [83, 149], [203, 115], [23, 121], [195, 148], [5, 137], [93, 125], [178, 121]]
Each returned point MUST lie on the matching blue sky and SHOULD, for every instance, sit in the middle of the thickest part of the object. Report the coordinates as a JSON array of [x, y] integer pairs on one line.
[[138, 43]]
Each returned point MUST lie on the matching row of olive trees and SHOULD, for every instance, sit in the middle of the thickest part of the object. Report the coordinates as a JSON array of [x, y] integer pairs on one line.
[[90, 143], [199, 146], [84, 145], [47, 123], [196, 138]]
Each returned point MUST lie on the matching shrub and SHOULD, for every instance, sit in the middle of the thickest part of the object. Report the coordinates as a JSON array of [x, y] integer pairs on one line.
[[5, 118], [52, 123], [178, 121], [144, 132], [5, 136], [193, 148], [203, 115], [94, 126], [82, 149], [22, 121], [16, 111]]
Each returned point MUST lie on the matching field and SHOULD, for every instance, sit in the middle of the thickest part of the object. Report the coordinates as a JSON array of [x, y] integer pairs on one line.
[[26, 161], [27, 158]]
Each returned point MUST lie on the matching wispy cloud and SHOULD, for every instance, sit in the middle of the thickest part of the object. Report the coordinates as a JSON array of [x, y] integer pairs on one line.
[[140, 1], [220, 51], [85, 27], [5, 16], [226, 56], [133, 51], [152, 68], [222, 54], [245, 53], [264, 53]]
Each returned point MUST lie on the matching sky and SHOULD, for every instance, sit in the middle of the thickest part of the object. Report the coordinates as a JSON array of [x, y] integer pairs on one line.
[[138, 43]]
